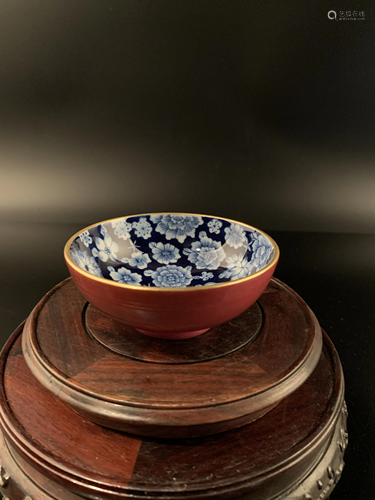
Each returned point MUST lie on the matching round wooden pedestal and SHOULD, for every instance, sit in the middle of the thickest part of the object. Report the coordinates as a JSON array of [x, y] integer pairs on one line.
[[48, 451], [119, 378]]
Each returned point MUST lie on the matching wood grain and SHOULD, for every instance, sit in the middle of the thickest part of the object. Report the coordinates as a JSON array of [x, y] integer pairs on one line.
[[269, 456], [183, 398]]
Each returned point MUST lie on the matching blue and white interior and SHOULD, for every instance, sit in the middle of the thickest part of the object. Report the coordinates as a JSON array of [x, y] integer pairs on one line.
[[171, 250]]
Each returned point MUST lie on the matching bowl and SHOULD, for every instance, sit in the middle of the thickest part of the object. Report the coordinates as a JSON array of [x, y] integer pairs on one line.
[[171, 275]]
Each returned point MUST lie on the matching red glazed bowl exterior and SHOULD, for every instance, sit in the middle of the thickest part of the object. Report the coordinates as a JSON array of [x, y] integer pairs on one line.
[[172, 313]]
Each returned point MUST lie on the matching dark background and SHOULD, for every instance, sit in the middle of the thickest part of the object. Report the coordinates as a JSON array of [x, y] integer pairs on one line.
[[262, 112]]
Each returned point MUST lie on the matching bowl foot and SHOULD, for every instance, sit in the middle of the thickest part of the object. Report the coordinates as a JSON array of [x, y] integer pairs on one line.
[[173, 335]]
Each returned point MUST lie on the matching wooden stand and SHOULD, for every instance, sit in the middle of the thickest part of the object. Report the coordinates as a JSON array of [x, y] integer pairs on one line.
[[220, 380], [268, 362]]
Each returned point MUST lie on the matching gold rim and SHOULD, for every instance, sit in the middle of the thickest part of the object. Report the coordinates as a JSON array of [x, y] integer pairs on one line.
[[69, 260]]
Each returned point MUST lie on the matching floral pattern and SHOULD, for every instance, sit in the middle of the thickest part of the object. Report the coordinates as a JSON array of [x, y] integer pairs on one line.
[[214, 226], [86, 262], [166, 250], [106, 248], [142, 228], [235, 236], [122, 228], [85, 238], [177, 226], [138, 259], [237, 267], [205, 253], [164, 254], [262, 252], [123, 275], [207, 276], [172, 276]]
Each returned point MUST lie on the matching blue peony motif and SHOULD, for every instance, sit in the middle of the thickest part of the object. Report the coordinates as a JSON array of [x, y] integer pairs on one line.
[[85, 238], [86, 262], [235, 236], [138, 259], [122, 228], [107, 248], [205, 253], [176, 226], [203, 250], [214, 226], [143, 228], [123, 275], [164, 254], [262, 251], [171, 276], [237, 267]]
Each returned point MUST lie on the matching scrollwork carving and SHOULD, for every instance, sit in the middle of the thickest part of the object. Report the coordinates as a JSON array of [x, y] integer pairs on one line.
[[343, 441], [321, 482]]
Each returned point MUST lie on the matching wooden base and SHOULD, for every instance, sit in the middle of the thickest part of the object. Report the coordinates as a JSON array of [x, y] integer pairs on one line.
[[49, 451], [216, 343], [225, 378]]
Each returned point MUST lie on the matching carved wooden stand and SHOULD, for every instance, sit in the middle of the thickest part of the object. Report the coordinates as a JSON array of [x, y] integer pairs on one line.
[[91, 409]]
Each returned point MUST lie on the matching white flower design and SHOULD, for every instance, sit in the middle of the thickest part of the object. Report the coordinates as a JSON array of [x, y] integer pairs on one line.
[[262, 251], [203, 250], [235, 236], [123, 275], [85, 238], [177, 226], [142, 228], [107, 248], [214, 226], [138, 259], [237, 267], [206, 276], [86, 262], [171, 276], [164, 254], [206, 253], [122, 228]]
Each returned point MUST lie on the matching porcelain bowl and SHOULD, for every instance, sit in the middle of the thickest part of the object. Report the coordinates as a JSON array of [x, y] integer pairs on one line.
[[171, 275]]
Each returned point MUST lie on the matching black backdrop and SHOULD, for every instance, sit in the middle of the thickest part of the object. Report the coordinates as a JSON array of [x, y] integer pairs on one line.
[[258, 111]]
